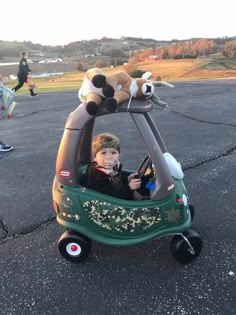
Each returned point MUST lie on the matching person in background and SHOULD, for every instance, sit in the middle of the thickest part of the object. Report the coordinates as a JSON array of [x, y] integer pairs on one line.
[[4, 147], [24, 74]]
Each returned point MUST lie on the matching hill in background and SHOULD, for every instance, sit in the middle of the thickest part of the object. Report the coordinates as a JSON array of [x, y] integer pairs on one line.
[[112, 54], [121, 48]]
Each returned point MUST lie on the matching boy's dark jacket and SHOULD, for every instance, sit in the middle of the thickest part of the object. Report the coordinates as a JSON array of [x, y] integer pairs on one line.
[[114, 185]]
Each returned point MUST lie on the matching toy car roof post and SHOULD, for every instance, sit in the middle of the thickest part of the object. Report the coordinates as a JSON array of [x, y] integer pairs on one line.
[[77, 137], [71, 150]]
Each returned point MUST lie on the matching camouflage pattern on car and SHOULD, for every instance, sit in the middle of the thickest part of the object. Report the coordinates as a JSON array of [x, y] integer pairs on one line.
[[120, 218]]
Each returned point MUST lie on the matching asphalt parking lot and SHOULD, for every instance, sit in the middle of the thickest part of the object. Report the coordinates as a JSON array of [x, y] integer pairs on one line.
[[199, 129]]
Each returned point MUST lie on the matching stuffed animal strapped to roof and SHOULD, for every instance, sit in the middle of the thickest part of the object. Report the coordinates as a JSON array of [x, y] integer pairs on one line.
[[116, 88]]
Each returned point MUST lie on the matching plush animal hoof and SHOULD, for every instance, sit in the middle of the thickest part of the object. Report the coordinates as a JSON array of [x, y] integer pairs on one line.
[[108, 91], [99, 80], [92, 108], [110, 104]]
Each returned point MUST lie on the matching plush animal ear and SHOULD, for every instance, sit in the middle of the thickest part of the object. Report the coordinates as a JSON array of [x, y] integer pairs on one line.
[[146, 75], [162, 83]]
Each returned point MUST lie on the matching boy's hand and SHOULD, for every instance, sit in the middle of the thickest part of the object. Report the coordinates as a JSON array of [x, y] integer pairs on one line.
[[132, 176], [135, 183]]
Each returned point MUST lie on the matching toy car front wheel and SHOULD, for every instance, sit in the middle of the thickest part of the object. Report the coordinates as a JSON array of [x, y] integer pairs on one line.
[[74, 247], [186, 247]]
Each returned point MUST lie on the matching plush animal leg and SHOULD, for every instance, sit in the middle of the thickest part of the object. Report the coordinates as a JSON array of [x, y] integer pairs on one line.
[[110, 104], [156, 100], [100, 81], [93, 101], [121, 96]]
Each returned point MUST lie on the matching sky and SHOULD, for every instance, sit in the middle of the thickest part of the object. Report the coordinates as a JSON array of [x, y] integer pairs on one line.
[[51, 22]]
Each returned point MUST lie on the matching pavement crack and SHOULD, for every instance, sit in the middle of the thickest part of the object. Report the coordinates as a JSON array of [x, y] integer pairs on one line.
[[202, 120], [3, 226], [206, 91], [226, 153], [20, 115], [28, 231]]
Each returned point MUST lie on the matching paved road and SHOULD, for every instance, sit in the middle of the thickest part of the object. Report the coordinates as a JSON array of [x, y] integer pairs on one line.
[[200, 131]]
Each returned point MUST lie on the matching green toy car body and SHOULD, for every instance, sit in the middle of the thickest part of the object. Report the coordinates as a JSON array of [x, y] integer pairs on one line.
[[88, 215]]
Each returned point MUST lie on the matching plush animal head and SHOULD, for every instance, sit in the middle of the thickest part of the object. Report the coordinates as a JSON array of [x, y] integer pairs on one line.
[[146, 89]]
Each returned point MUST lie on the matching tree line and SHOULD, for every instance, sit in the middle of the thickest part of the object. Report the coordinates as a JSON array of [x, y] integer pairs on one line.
[[138, 46], [189, 49]]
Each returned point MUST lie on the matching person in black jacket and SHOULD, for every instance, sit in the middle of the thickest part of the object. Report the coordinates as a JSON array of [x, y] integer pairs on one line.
[[104, 174], [24, 73]]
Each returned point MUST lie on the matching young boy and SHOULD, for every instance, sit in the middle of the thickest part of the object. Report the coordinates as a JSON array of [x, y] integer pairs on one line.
[[104, 174]]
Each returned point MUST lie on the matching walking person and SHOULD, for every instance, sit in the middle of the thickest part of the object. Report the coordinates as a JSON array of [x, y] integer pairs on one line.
[[3, 147], [24, 74]]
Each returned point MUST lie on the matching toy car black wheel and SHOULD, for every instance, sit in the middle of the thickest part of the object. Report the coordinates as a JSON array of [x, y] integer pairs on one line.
[[192, 211], [186, 247], [74, 247]]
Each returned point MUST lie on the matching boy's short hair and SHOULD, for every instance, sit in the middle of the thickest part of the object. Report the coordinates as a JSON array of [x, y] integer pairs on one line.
[[103, 141]]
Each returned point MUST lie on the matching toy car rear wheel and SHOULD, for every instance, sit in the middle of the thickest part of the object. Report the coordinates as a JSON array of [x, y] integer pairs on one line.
[[74, 247], [182, 251]]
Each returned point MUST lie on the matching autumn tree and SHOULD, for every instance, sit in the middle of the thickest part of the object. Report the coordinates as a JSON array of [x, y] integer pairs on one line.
[[229, 50]]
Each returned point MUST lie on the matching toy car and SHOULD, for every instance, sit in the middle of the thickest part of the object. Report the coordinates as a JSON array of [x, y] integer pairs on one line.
[[88, 215]]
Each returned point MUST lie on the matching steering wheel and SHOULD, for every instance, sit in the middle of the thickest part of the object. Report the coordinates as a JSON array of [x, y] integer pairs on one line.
[[146, 163]]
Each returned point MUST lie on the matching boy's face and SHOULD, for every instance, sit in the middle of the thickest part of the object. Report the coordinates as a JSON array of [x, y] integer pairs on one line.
[[107, 158]]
